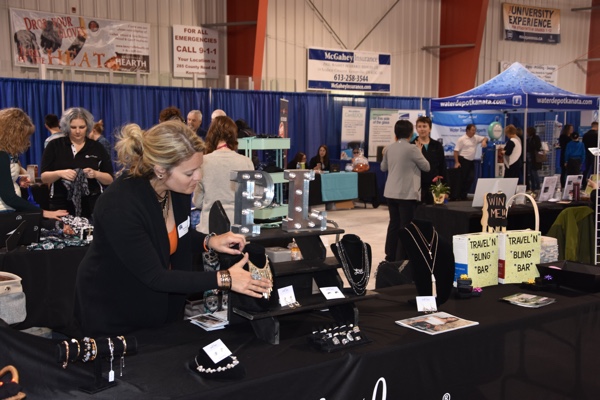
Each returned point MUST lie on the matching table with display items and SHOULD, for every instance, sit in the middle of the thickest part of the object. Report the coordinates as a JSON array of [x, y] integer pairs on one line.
[[458, 217], [338, 186], [514, 353]]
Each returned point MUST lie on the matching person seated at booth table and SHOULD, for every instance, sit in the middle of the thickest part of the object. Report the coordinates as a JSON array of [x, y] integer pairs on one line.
[[16, 129], [320, 162], [359, 161], [138, 269], [76, 167], [295, 163]]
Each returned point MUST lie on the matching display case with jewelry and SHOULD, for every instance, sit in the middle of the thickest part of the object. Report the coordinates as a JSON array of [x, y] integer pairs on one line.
[[336, 338], [314, 270], [306, 276], [111, 350]]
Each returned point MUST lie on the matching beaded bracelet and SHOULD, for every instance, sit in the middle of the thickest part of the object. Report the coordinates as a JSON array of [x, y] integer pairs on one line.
[[207, 239], [225, 280]]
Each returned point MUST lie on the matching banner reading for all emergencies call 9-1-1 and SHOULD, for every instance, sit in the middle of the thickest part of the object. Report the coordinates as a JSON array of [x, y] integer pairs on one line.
[[348, 70], [524, 23], [80, 42]]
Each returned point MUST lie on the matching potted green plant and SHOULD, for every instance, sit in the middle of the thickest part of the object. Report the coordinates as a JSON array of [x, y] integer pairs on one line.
[[439, 190]]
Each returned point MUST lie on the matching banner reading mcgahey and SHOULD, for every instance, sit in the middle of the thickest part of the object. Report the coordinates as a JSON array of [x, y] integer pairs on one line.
[[348, 70], [79, 42], [531, 24]]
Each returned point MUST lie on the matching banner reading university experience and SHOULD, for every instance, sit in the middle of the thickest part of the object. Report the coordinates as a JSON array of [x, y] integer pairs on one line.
[[79, 42], [524, 23], [348, 70]]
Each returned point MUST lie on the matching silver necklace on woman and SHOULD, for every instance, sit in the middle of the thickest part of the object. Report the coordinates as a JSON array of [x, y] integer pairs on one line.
[[431, 267], [358, 287]]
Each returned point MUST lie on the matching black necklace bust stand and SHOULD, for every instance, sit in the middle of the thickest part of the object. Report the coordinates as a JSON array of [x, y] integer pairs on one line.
[[355, 257], [432, 259]]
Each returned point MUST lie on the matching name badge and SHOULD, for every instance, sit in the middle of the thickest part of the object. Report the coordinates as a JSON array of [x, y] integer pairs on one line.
[[184, 227]]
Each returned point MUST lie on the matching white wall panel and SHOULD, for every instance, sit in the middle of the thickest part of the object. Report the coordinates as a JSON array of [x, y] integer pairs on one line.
[[574, 28], [160, 14], [294, 26]]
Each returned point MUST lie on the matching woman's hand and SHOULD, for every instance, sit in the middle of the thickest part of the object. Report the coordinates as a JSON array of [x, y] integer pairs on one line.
[[24, 181], [68, 174], [89, 173], [593, 184], [55, 214], [242, 282], [224, 243]]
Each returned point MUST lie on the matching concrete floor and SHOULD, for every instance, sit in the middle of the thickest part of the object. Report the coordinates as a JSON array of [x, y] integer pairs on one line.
[[370, 224]]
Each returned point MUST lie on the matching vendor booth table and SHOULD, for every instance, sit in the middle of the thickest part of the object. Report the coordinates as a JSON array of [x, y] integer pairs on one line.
[[514, 353], [338, 186], [458, 217]]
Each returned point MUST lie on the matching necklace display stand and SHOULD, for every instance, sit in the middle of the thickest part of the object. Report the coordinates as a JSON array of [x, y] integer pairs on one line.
[[355, 257], [432, 259], [315, 269]]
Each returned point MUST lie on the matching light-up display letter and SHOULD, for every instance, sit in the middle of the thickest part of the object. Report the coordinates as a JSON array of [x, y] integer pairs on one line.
[[299, 216], [255, 190]]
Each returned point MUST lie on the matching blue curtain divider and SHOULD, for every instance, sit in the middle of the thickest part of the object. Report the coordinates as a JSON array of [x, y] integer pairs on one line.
[[37, 98], [313, 119]]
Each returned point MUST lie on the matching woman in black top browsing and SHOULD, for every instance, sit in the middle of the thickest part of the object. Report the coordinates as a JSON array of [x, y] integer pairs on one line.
[[16, 129], [76, 167]]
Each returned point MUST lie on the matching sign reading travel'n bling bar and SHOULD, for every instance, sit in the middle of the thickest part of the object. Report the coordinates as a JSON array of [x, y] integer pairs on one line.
[[61, 40], [476, 255], [519, 254]]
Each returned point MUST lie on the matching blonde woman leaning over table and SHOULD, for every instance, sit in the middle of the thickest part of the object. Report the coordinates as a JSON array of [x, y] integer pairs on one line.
[[138, 269], [16, 129]]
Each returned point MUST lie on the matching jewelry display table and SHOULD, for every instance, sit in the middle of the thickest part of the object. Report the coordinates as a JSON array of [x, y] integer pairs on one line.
[[314, 267], [514, 353]]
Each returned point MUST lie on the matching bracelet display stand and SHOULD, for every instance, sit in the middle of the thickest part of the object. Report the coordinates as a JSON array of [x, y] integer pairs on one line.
[[97, 351], [314, 267]]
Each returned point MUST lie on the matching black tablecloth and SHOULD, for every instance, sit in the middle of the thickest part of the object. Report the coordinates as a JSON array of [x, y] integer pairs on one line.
[[49, 284], [514, 353], [457, 217]]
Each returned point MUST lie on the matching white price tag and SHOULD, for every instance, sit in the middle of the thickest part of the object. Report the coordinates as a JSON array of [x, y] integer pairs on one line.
[[286, 296], [426, 304], [217, 351], [332, 292]]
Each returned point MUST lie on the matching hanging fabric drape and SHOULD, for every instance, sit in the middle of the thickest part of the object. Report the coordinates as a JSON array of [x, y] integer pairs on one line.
[[37, 98]]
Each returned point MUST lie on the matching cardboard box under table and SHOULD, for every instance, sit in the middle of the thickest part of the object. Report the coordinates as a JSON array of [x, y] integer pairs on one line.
[[518, 254], [476, 255]]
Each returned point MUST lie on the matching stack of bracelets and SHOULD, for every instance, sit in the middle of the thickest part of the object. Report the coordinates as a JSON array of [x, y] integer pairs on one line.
[[89, 349], [224, 275], [337, 338]]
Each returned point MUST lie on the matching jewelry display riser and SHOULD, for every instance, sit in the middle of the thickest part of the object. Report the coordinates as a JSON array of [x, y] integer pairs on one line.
[[314, 267]]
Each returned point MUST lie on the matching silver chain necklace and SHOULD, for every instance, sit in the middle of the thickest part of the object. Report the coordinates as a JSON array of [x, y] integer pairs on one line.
[[428, 244], [360, 286], [431, 267]]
